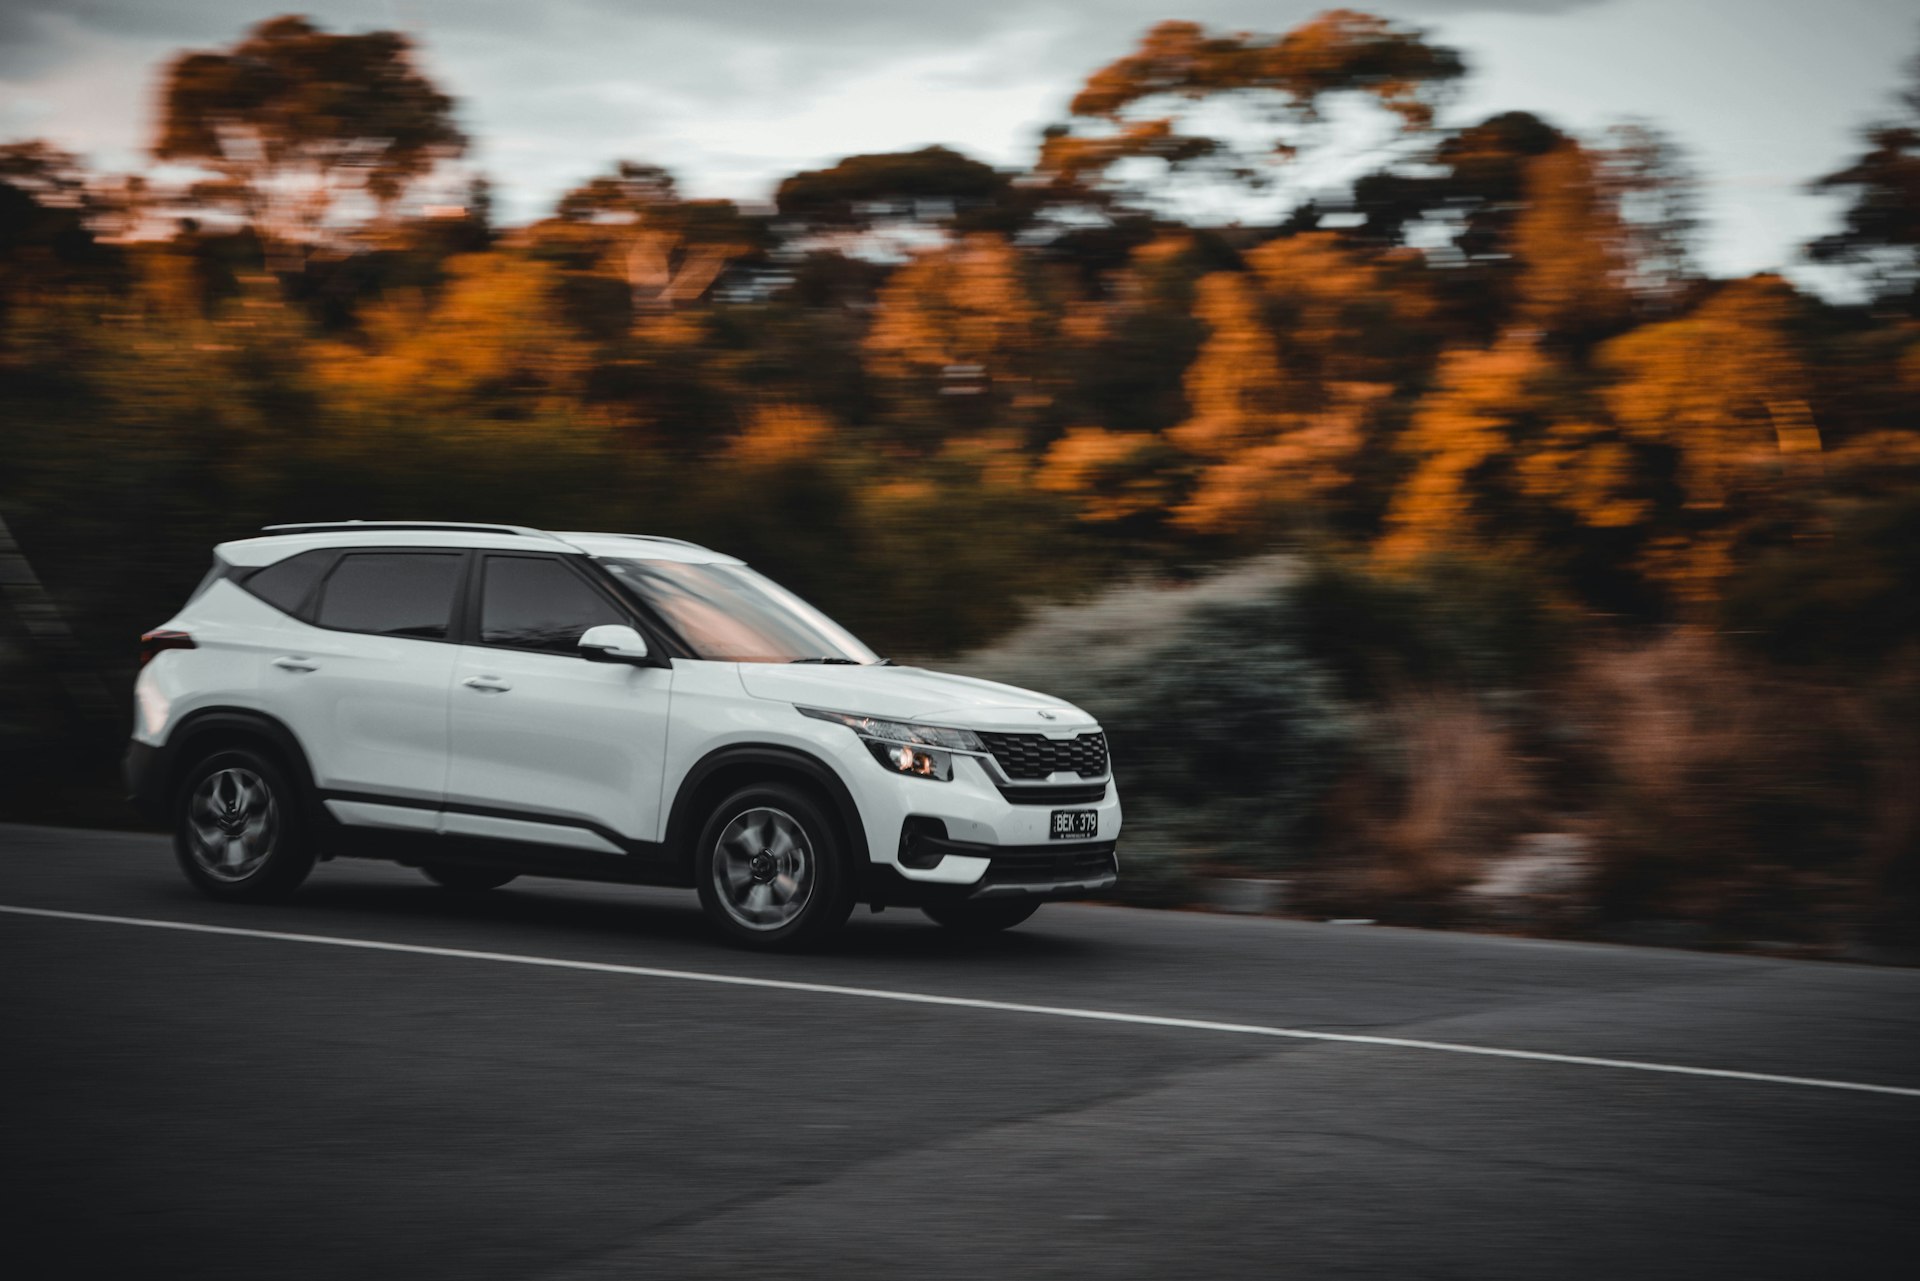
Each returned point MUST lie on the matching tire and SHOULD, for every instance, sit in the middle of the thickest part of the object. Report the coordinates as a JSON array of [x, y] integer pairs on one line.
[[771, 869], [988, 917], [238, 827], [465, 879]]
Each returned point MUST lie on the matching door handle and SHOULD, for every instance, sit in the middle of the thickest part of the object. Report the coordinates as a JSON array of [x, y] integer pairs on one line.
[[489, 684], [291, 663]]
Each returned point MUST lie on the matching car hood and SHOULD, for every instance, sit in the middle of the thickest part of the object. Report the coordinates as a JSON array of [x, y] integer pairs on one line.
[[912, 693]]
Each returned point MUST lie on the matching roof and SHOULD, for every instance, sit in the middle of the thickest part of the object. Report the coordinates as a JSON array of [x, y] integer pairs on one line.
[[280, 541]]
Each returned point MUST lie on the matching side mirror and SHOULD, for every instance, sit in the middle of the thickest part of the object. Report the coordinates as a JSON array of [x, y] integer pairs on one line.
[[613, 643]]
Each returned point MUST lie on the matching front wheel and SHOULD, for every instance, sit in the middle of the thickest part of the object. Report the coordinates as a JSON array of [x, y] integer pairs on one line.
[[237, 829], [987, 917], [771, 870]]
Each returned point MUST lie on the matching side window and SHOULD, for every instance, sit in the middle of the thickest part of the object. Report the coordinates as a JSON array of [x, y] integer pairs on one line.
[[288, 585], [531, 602], [391, 593]]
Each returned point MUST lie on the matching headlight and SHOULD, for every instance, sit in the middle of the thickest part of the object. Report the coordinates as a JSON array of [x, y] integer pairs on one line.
[[924, 751]]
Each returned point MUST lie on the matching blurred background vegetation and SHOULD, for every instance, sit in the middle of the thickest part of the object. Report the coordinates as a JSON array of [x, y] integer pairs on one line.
[[1450, 546]]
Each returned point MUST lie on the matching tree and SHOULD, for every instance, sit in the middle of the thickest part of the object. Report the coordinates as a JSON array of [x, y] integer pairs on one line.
[[1653, 189], [964, 338], [934, 186], [1460, 210], [294, 122], [1470, 193], [487, 346], [1571, 245], [1305, 347], [1519, 217], [1603, 234], [1724, 389], [45, 209], [1880, 236], [1281, 391], [1645, 476], [632, 223], [1462, 438], [50, 177], [1139, 109]]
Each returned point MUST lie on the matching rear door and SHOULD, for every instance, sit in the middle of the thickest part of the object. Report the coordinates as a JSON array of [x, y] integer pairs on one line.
[[364, 682], [548, 747]]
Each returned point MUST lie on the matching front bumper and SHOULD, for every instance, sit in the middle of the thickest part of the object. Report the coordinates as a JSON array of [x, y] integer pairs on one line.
[[941, 841], [1033, 874], [1057, 870]]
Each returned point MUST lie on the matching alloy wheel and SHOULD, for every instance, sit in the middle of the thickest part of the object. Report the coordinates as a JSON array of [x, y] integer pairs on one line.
[[233, 822], [763, 868]]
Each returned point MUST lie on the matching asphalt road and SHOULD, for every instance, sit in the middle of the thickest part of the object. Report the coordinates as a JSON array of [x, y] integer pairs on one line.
[[204, 1104]]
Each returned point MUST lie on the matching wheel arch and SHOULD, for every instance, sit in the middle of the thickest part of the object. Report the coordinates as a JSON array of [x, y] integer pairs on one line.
[[212, 728], [728, 768]]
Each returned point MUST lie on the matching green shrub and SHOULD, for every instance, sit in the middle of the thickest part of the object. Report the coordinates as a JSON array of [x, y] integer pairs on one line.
[[1473, 624], [1850, 600], [1225, 733], [1230, 735]]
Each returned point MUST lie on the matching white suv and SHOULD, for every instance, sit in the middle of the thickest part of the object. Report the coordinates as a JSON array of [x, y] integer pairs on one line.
[[487, 701]]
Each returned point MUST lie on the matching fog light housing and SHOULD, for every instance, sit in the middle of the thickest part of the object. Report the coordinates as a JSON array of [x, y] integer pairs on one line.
[[919, 842]]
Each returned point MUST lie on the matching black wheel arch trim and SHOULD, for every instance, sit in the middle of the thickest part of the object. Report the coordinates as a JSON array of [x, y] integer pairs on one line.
[[152, 775], [683, 821]]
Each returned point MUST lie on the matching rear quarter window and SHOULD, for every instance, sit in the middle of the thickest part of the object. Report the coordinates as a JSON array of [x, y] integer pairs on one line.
[[288, 585]]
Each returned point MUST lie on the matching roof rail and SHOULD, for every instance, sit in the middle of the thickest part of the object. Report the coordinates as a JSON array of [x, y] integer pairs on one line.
[[648, 538], [452, 526]]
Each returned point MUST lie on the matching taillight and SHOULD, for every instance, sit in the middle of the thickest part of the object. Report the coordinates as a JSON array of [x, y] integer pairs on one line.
[[155, 641]]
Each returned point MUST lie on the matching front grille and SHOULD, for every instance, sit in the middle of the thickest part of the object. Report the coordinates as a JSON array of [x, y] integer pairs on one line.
[[1044, 866], [1036, 756]]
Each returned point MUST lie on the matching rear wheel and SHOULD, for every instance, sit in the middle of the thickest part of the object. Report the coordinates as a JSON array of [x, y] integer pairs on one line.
[[237, 827], [771, 870], [465, 879], [986, 917]]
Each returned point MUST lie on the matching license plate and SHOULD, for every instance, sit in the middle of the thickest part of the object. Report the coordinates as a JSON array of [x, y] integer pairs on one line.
[[1071, 825]]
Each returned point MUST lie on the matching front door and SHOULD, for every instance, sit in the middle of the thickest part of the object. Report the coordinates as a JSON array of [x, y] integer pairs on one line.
[[547, 746]]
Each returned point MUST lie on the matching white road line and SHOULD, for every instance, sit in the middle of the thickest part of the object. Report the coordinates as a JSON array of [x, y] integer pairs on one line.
[[973, 1003]]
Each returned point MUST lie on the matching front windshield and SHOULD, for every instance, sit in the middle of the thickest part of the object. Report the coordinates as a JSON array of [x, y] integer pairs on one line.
[[730, 614]]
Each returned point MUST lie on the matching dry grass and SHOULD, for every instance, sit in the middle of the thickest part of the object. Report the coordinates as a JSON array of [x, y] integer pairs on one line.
[[1451, 793], [1724, 794]]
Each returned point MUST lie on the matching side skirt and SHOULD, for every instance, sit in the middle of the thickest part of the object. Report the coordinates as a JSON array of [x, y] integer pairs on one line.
[[641, 863]]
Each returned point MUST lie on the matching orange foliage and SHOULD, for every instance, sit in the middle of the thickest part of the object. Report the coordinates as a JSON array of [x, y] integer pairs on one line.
[[1716, 385], [1112, 474], [1587, 471], [1280, 394], [1135, 102], [1725, 388], [491, 330], [974, 302], [1572, 244], [781, 433], [1464, 422]]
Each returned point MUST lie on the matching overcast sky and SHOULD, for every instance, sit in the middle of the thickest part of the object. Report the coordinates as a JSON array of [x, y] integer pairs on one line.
[[733, 94]]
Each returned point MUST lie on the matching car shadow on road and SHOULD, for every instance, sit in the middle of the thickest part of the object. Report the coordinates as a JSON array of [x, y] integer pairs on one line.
[[561, 912]]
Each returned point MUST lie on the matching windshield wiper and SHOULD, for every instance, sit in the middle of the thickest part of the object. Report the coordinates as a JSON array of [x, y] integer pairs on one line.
[[841, 662]]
